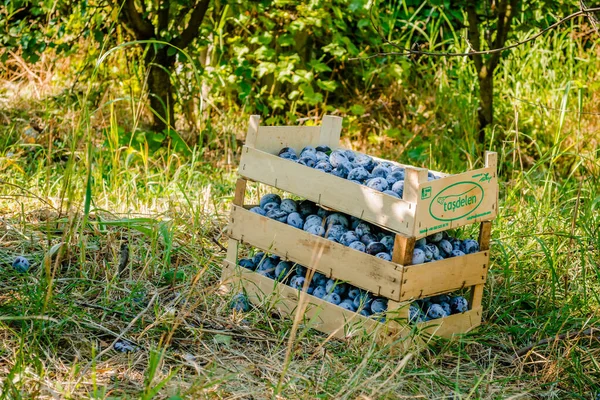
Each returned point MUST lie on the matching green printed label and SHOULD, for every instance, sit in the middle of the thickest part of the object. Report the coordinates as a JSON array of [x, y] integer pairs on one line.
[[456, 201], [426, 193]]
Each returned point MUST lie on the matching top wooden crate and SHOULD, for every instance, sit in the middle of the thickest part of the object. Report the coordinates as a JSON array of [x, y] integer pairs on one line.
[[427, 206]]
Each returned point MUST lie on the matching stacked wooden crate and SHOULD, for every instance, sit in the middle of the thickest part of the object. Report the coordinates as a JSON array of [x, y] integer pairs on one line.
[[427, 207]]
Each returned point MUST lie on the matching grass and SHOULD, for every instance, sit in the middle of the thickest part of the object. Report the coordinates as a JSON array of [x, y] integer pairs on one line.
[[73, 196]]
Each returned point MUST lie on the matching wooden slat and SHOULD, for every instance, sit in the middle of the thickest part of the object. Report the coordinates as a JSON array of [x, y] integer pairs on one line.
[[252, 133], [403, 249], [328, 190], [454, 324], [424, 280], [240, 191], [477, 295], [331, 129], [439, 207], [333, 259], [485, 234], [232, 256]]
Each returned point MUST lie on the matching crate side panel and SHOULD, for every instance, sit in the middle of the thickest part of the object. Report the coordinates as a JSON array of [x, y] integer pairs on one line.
[[456, 200], [454, 324], [333, 259], [424, 280], [340, 194]]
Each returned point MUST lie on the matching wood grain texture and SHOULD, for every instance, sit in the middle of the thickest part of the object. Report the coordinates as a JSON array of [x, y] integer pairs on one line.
[[424, 280]]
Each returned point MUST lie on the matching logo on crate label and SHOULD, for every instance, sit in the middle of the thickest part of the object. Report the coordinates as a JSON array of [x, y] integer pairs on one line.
[[456, 201], [426, 193]]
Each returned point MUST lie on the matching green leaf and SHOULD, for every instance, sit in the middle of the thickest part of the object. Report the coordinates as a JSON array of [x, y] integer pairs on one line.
[[328, 86], [286, 40], [358, 109]]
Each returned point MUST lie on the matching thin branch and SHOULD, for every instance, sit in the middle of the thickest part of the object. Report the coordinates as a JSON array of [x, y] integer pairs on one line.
[[191, 31], [407, 52], [592, 333]]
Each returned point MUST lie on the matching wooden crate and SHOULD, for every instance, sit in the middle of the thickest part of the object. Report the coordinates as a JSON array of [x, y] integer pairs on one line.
[[396, 280], [332, 319], [427, 206]]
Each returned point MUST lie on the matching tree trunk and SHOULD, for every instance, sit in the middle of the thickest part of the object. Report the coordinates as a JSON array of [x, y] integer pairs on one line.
[[486, 98], [158, 65]]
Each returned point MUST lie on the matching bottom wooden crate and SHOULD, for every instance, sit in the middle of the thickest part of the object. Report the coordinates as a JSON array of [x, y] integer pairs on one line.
[[336, 321]]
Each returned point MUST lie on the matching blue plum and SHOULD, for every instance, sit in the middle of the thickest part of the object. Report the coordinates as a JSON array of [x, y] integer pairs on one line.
[[353, 292], [383, 256], [306, 208], [368, 238], [324, 149], [433, 249], [379, 305], [398, 187], [287, 150], [334, 286], [380, 172], [258, 257], [278, 215], [333, 298], [308, 150], [364, 161], [289, 206], [457, 253], [258, 210], [459, 304], [418, 256], [365, 312], [319, 292], [362, 228], [316, 230], [445, 248], [295, 220], [358, 174], [342, 170], [338, 157], [470, 246], [349, 237], [337, 219], [335, 232], [270, 206], [358, 245], [282, 270], [308, 161], [239, 303], [377, 183], [435, 311], [323, 166], [374, 248], [312, 220], [446, 307], [435, 238], [322, 156], [247, 263], [350, 155], [21, 264], [347, 305], [415, 315], [269, 198], [297, 282], [388, 242]]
